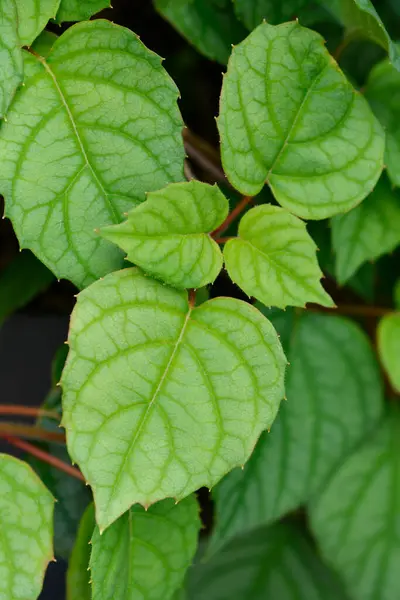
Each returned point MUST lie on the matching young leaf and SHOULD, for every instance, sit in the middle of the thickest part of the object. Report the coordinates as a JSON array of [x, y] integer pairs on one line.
[[382, 91], [78, 587], [253, 12], [101, 127], [355, 519], [11, 65], [145, 554], [26, 524], [80, 10], [389, 347], [290, 118], [210, 25], [276, 563], [274, 259], [167, 236], [33, 17], [161, 398], [334, 397], [366, 232]]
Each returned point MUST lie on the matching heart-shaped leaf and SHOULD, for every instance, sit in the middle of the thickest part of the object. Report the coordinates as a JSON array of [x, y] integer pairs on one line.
[[145, 554], [167, 236], [26, 524], [290, 118], [11, 65], [101, 127], [79, 10], [274, 259], [161, 398], [389, 347]]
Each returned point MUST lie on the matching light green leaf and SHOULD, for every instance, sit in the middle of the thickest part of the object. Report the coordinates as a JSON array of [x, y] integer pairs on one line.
[[383, 93], [23, 279], [161, 398], [167, 236], [334, 397], [80, 10], [33, 16], [11, 65], [26, 525], [44, 43], [389, 347], [78, 587], [101, 127], [210, 25], [366, 232], [356, 518], [145, 555], [253, 12], [290, 118], [274, 259], [276, 563]]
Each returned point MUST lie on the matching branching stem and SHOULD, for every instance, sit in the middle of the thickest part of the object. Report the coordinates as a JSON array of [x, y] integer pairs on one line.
[[27, 411], [233, 215], [31, 432]]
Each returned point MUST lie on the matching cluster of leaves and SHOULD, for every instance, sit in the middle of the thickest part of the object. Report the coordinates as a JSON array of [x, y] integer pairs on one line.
[[164, 390]]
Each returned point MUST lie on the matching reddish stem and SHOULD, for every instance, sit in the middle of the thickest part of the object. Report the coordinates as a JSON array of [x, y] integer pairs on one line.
[[27, 411], [43, 456], [239, 208], [354, 310], [192, 298], [223, 240], [32, 432]]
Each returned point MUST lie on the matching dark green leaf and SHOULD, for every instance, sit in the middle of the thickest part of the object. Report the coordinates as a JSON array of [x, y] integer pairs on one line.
[[389, 347], [80, 10], [78, 587]]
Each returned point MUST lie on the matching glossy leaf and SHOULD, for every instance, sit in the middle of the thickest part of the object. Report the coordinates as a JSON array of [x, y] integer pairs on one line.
[[355, 519], [167, 236], [253, 12], [383, 92], [80, 10], [161, 398], [33, 17], [276, 563], [101, 127], [145, 555], [325, 148], [334, 398], [23, 279], [210, 25], [274, 259], [26, 524], [78, 587], [366, 232], [389, 347], [11, 65]]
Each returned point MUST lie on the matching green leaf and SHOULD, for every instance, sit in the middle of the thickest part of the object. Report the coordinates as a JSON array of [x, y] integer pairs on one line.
[[325, 148], [23, 279], [33, 16], [210, 25], [44, 43], [366, 232], [80, 10], [389, 347], [167, 236], [276, 563], [78, 587], [397, 294], [274, 259], [356, 517], [383, 93], [334, 397], [26, 525], [253, 12], [179, 394], [101, 127], [145, 554], [11, 64]]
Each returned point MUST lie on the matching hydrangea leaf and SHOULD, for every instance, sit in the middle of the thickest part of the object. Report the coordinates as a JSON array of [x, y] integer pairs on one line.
[[210, 25], [168, 235], [383, 92], [33, 17], [11, 64], [161, 398], [389, 347], [334, 397], [366, 232], [253, 12], [26, 523], [290, 118], [101, 127], [145, 554], [277, 563], [274, 259], [355, 519], [80, 10], [78, 586]]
